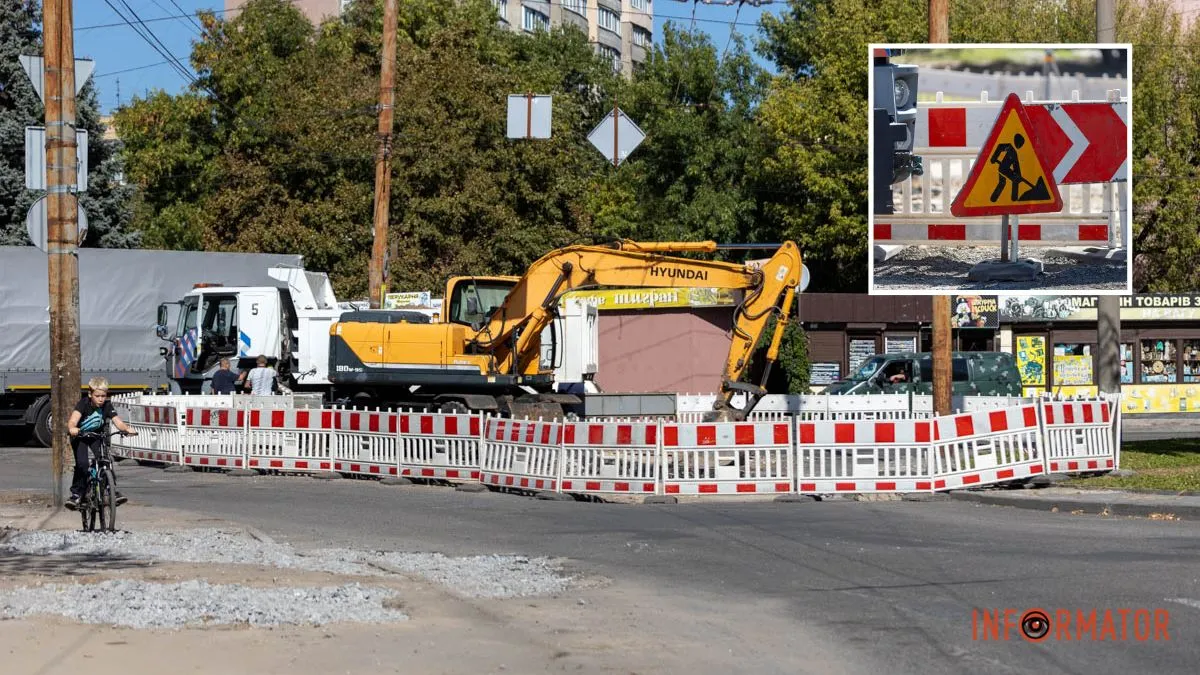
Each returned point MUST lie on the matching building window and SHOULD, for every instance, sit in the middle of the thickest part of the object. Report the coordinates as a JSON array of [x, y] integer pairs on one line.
[[613, 55], [501, 7], [577, 6], [535, 20], [640, 5], [610, 20], [1158, 361], [344, 5], [642, 37], [1072, 365], [1126, 363]]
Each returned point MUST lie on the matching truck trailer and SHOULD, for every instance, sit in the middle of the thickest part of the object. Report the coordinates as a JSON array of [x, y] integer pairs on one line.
[[119, 290]]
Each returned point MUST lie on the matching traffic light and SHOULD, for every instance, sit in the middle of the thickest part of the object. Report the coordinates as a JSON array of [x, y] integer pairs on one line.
[[894, 103]]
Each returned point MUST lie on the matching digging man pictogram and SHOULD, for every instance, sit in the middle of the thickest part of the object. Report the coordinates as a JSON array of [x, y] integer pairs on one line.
[[1010, 172]]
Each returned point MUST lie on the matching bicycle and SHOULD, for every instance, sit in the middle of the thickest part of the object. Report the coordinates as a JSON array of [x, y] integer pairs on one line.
[[98, 501]]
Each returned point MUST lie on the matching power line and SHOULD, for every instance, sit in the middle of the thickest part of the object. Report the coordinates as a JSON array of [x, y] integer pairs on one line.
[[130, 70], [154, 20]]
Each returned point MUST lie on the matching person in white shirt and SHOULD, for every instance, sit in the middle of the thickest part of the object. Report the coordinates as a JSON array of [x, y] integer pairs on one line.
[[261, 380]]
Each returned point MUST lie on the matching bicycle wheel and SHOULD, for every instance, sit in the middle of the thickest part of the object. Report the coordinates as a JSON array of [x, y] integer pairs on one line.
[[107, 502]]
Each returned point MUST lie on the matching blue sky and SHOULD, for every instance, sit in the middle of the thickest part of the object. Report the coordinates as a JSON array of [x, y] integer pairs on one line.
[[124, 58]]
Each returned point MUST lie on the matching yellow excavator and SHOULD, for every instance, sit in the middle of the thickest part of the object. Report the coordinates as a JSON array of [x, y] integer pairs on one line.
[[485, 353]]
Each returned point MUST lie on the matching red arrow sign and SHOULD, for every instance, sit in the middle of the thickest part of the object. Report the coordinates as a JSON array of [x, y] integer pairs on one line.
[[1084, 142]]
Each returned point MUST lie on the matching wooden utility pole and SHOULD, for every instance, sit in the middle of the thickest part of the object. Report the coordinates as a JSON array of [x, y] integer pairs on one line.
[[383, 157], [62, 226], [939, 21], [1108, 307], [939, 32]]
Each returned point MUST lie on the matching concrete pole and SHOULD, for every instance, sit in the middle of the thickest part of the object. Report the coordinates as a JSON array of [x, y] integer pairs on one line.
[[1108, 308], [383, 158], [63, 227], [939, 32]]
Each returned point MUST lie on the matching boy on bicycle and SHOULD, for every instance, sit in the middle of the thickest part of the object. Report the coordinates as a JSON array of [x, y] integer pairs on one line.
[[91, 415]]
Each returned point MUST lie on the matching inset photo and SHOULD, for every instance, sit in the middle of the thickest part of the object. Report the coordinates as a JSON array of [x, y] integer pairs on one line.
[[1000, 168]]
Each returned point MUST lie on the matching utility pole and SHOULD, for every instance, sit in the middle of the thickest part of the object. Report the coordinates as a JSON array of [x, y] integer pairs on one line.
[[939, 32], [939, 21], [62, 226], [383, 157], [1108, 307]]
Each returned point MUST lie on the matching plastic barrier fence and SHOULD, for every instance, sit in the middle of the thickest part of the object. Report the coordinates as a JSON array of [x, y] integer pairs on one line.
[[1021, 439]]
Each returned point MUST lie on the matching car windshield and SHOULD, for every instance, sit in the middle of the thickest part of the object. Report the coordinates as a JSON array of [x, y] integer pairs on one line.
[[869, 368]]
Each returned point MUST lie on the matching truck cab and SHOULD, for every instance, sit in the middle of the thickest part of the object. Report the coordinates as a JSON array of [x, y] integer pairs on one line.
[[242, 323], [972, 374]]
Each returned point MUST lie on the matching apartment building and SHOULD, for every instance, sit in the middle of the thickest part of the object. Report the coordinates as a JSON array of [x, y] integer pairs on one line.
[[621, 30]]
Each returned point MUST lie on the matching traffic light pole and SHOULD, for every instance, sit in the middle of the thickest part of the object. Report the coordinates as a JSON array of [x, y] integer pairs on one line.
[[1108, 307]]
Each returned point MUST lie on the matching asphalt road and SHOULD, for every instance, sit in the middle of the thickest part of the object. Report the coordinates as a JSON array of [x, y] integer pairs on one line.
[[890, 585]]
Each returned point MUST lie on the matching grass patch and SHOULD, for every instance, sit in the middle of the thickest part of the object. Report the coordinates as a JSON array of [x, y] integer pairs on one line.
[[1172, 464]]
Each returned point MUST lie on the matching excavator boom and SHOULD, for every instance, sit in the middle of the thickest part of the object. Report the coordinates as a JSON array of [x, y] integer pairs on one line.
[[511, 336]]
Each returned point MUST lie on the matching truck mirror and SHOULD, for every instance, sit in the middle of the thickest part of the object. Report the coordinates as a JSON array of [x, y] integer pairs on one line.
[[161, 331], [472, 305], [162, 315]]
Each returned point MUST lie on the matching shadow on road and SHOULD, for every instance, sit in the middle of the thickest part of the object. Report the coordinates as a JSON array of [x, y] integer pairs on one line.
[[71, 564]]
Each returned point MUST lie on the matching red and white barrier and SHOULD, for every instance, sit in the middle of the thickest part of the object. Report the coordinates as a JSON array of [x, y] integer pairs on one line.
[[864, 456], [214, 437], [159, 432], [440, 445], [960, 234], [980, 448], [611, 457], [365, 442], [986, 446], [728, 458], [521, 454], [290, 440], [1079, 436]]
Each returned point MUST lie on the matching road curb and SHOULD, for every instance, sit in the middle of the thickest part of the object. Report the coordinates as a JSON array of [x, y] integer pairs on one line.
[[1068, 505]]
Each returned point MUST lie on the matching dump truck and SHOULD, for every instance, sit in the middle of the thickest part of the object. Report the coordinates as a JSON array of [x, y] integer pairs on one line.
[[116, 290], [485, 354]]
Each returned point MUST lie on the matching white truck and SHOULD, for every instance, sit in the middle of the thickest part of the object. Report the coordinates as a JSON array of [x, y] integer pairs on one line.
[[118, 289], [289, 324]]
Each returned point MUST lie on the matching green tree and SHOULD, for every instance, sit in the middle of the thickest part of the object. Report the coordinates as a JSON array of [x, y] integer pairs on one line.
[[107, 201], [814, 116], [1166, 182], [791, 373]]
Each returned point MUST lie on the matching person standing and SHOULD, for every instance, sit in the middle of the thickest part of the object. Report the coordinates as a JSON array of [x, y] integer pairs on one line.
[[224, 380], [262, 379]]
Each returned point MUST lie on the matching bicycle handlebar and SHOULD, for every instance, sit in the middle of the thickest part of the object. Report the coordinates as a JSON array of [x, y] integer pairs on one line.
[[92, 435]]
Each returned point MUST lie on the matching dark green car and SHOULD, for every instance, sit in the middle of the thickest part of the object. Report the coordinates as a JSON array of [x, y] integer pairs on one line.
[[973, 373]]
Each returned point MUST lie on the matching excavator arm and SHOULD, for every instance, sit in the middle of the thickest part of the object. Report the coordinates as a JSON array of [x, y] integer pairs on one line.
[[512, 334]]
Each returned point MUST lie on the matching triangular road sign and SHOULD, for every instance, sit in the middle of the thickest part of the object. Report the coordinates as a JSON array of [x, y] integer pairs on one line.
[[1010, 176]]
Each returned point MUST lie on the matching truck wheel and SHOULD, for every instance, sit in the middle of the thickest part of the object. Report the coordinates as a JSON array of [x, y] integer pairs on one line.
[[454, 408], [41, 425]]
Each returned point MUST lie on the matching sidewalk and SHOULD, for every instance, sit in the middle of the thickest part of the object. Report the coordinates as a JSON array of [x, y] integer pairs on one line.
[[1164, 506]]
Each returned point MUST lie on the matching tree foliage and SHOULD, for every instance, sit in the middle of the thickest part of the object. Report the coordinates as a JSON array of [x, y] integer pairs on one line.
[[107, 201]]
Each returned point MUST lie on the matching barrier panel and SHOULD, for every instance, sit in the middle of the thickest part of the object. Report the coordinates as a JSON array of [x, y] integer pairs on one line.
[[864, 456], [364, 442], [1079, 436], [440, 445], [521, 454], [290, 440], [728, 458], [974, 449], [158, 428], [611, 457], [214, 437]]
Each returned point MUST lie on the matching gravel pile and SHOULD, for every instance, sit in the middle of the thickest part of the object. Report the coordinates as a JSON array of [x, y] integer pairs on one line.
[[138, 604], [922, 268], [485, 576]]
